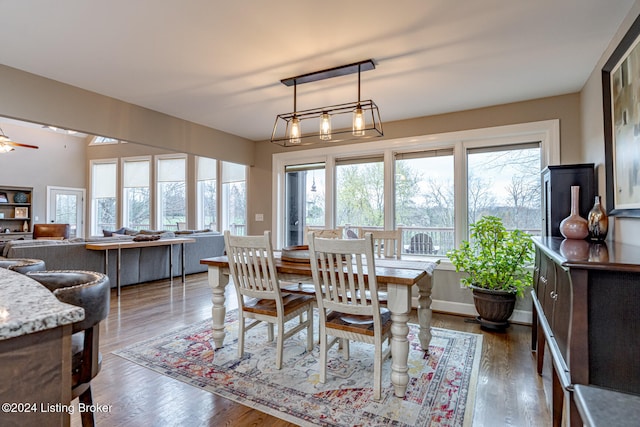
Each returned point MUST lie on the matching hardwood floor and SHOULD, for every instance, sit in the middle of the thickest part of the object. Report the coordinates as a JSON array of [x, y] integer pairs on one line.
[[510, 393]]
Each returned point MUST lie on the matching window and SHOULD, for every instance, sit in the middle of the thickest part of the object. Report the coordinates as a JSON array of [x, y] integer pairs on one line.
[[234, 198], [305, 200], [207, 193], [136, 195], [360, 192], [433, 186], [424, 200], [103, 140], [171, 194], [103, 196], [505, 182]]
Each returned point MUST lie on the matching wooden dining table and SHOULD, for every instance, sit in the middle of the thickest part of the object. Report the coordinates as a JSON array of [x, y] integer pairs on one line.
[[397, 276]]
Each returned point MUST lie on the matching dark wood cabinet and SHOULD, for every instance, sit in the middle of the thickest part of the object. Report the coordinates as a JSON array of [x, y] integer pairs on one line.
[[586, 301], [556, 191]]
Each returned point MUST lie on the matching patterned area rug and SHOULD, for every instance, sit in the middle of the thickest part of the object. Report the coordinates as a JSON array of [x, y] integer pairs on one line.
[[441, 391]]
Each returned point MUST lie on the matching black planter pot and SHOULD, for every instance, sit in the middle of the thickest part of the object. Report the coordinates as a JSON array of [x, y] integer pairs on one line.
[[494, 307]]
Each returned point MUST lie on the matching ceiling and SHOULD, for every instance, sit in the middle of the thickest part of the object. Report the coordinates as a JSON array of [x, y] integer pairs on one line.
[[219, 63]]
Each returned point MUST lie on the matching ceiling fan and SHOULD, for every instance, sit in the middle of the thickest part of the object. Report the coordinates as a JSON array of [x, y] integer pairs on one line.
[[6, 144]]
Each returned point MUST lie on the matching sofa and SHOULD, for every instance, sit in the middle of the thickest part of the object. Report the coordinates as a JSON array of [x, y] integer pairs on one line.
[[139, 265]]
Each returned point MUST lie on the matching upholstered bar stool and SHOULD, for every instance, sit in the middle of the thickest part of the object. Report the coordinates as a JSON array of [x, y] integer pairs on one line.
[[91, 291], [22, 265]]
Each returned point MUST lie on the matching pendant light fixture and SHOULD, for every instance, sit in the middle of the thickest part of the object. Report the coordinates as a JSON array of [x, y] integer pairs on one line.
[[296, 131], [325, 126], [360, 119]]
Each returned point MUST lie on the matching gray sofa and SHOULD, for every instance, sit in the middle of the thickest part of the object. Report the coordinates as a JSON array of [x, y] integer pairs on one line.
[[138, 264]]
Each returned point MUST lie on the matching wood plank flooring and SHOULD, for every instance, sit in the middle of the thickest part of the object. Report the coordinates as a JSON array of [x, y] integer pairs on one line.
[[510, 393]]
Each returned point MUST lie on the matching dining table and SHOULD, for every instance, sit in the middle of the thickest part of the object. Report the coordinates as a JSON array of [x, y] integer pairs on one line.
[[396, 277]]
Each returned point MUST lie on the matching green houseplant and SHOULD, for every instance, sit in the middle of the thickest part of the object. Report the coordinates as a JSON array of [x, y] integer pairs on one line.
[[496, 262]]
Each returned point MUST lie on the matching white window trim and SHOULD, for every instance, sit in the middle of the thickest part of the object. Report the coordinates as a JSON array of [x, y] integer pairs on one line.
[[152, 208], [155, 219], [547, 132], [92, 180]]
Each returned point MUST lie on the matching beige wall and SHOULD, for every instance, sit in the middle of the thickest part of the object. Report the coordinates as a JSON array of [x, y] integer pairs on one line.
[[566, 108], [37, 99], [623, 230]]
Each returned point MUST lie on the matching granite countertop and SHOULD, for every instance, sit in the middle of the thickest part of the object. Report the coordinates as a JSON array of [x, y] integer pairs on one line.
[[27, 307]]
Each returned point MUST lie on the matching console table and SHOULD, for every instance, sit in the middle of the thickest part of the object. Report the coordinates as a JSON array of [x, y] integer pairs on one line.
[[586, 301], [119, 246]]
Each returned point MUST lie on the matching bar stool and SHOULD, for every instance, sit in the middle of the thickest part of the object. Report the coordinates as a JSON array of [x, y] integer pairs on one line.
[[91, 291], [22, 265]]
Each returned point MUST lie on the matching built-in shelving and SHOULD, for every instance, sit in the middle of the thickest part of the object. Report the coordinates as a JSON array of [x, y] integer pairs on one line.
[[15, 213]]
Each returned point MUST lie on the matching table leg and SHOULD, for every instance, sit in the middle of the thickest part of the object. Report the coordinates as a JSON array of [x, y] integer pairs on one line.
[[218, 281], [171, 263], [184, 279], [118, 265], [424, 311], [106, 263], [399, 304]]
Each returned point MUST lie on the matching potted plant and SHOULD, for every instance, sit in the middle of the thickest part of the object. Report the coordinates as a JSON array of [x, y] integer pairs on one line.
[[496, 262]]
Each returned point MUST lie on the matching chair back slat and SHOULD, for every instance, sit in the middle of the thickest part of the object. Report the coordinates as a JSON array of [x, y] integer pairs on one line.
[[252, 266], [339, 269]]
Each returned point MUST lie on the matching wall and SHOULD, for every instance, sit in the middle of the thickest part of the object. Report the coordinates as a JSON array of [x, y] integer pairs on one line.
[[60, 161], [623, 230], [36, 99]]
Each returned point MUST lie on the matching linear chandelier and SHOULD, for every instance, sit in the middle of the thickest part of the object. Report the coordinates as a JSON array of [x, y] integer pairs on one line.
[[341, 122]]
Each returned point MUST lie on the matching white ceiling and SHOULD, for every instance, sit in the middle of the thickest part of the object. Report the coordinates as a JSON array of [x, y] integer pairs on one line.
[[219, 63]]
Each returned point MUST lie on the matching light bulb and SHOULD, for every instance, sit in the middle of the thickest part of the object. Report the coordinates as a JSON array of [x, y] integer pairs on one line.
[[296, 131], [325, 126], [358, 122]]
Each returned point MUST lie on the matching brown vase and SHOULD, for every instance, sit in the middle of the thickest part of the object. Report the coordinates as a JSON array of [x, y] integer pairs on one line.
[[574, 226], [597, 222]]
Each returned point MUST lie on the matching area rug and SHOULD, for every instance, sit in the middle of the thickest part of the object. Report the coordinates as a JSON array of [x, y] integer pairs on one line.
[[441, 390]]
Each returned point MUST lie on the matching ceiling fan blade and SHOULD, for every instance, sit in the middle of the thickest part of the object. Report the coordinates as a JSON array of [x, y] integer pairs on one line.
[[17, 144]]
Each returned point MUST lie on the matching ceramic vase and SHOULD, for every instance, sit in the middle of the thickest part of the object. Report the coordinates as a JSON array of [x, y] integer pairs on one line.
[[574, 226], [597, 222]]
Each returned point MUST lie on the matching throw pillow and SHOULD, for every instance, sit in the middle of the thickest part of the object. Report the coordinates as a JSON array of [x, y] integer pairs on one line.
[[108, 233]]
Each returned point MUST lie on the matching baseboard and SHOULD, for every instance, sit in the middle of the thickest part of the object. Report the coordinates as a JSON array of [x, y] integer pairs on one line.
[[463, 309]]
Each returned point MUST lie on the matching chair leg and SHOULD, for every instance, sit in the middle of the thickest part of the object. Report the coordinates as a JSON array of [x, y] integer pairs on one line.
[[87, 417], [310, 329], [241, 326], [279, 343], [377, 372], [323, 357], [270, 332]]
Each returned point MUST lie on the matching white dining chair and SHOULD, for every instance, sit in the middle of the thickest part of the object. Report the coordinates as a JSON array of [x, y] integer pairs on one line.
[[256, 281], [347, 301], [386, 243], [330, 233]]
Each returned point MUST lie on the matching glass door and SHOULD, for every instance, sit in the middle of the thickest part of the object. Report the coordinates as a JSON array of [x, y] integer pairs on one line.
[[66, 206]]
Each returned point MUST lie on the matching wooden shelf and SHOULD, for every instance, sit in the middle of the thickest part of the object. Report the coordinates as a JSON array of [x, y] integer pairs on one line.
[[8, 221]]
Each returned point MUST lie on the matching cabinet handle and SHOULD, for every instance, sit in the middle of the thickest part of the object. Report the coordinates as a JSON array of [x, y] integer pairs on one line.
[[553, 295]]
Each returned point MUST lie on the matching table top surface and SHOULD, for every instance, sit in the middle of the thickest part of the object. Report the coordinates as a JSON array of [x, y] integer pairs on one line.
[[26, 307], [132, 244], [402, 272]]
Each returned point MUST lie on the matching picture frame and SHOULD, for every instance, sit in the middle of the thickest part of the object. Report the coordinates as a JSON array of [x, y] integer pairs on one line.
[[621, 107], [22, 213], [3, 197]]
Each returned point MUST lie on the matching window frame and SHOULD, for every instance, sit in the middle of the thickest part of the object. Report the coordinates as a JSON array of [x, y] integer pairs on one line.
[[159, 223], [93, 229], [121, 187], [547, 132]]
